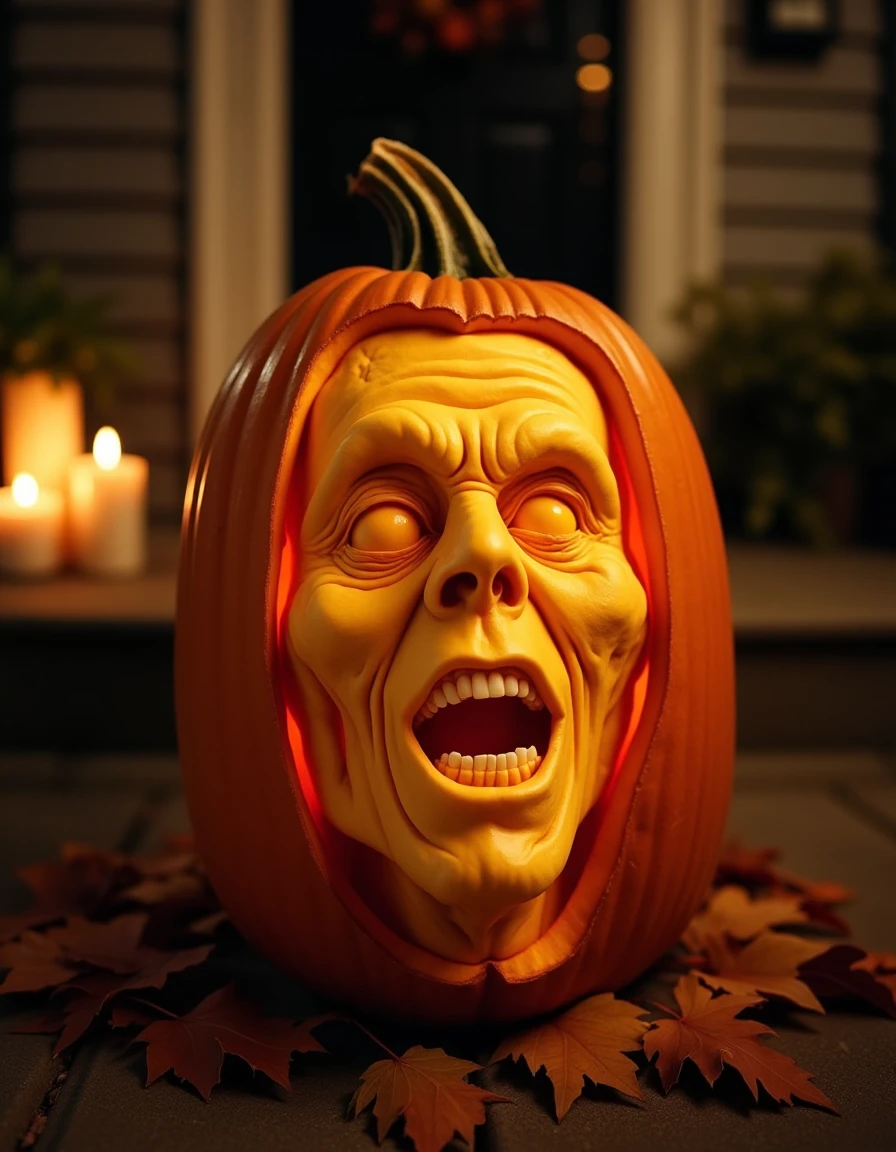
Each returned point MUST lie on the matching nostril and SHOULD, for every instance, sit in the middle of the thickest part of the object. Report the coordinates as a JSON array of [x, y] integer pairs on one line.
[[457, 588]]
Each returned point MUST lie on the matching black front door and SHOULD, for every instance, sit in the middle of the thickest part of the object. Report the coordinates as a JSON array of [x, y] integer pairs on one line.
[[499, 106]]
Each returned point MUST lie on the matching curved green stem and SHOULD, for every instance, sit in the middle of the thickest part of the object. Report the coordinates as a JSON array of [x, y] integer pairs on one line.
[[433, 228]]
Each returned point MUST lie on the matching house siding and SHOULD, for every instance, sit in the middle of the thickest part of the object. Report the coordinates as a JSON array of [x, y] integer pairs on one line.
[[97, 186]]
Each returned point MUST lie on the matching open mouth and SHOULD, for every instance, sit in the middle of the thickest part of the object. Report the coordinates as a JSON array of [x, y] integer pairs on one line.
[[489, 729]]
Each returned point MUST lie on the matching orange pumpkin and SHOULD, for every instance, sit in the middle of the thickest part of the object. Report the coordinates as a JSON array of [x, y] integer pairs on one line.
[[644, 853]]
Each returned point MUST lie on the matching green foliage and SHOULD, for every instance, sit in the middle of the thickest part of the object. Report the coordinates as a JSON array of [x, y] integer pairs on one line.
[[44, 328], [795, 394]]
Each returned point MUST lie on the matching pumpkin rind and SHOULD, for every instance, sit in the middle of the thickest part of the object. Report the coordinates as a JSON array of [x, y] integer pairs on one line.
[[650, 846]]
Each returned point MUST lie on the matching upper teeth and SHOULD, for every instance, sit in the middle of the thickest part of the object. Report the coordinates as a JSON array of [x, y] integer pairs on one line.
[[458, 686]]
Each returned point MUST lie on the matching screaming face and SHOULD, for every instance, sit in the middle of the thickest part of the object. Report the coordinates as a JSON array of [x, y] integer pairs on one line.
[[465, 628]]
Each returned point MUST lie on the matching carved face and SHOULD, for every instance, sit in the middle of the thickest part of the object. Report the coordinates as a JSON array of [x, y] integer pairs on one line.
[[465, 626]]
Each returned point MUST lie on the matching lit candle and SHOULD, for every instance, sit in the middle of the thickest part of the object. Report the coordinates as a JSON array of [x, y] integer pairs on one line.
[[30, 529], [42, 427], [107, 508]]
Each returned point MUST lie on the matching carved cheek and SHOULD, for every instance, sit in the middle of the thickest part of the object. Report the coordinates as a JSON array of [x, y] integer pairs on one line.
[[345, 633], [597, 615]]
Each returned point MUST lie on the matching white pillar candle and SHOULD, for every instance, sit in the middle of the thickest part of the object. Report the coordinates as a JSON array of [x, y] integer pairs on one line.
[[43, 427], [30, 529], [107, 508]]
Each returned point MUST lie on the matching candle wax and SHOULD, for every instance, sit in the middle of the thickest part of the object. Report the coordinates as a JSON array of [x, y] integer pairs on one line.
[[107, 515], [30, 537]]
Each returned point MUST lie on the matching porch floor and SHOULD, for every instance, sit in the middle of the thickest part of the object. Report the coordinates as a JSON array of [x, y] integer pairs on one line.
[[832, 813]]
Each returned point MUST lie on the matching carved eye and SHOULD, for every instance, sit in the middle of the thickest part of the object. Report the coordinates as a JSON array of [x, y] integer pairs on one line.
[[547, 515], [386, 528]]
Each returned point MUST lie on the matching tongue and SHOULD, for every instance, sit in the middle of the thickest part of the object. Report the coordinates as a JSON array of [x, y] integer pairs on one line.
[[474, 727]]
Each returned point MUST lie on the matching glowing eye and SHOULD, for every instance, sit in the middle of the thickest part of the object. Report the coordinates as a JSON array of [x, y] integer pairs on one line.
[[547, 515], [386, 528]]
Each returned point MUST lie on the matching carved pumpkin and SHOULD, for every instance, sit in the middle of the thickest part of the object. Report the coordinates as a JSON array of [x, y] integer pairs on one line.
[[454, 658]]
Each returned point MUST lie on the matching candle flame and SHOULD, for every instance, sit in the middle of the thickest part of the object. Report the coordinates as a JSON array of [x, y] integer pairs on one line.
[[25, 490], [107, 449]]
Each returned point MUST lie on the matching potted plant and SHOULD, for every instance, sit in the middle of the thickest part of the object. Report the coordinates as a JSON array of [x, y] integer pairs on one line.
[[53, 346], [797, 401]]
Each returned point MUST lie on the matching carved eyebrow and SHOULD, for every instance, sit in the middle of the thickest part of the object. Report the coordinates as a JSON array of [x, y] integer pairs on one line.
[[373, 442], [546, 441]]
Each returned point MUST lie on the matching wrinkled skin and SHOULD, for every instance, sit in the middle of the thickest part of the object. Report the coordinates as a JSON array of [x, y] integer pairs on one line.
[[462, 514]]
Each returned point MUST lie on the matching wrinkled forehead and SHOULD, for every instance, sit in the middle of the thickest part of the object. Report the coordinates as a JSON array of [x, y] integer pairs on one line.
[[461, 373]]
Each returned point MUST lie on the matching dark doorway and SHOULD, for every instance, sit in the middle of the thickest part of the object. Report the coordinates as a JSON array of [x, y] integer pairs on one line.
[[506, 112]]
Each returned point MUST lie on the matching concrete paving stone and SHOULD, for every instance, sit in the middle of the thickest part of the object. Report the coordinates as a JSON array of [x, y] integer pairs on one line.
[[125, 769], [824, 840], [881, 799], [26, 1072], [851, 1056], [104, 1107], [34, 823], [811, 766], [29, 769]]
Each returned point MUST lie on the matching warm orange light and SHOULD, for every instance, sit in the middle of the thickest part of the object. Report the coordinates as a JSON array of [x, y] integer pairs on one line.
[[25, 490], [594, 46], [107, 449], [594, 77]]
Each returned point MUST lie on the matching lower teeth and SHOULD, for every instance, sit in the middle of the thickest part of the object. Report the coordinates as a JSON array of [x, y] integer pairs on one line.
[[489, 777]]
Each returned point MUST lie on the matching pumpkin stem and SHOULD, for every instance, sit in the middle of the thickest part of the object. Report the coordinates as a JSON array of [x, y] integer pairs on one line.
[[433, 228]]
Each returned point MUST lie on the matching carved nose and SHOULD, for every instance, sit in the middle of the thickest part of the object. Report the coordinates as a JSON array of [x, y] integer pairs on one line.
[[479, 566]]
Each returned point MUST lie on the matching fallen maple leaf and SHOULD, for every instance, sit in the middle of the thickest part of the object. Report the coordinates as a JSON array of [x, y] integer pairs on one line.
[[99, 988], [734, 911], [180, 887], [428, 1088], [35, 963], [884, 962], [845, 971], [79, 882], [756, 868], [170, 863], [766, 966], [113, 946], [707, 1031], [209, 925], [94, 961], [193, 1046], [588, 1040], [741, 864], [822, 915]]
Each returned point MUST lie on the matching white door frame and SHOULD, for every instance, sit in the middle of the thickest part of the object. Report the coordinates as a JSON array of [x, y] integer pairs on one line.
[[239, 225], [671, 213]]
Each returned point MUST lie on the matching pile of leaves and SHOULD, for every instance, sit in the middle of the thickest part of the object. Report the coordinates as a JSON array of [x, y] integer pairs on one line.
[[118, 941]]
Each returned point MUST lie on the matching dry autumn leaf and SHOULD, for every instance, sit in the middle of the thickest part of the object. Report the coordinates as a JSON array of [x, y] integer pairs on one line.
[[707, 1031], [180, 887], [734, 911], [880, 962], [741, 864], [79, 882], [588, 1040], [34, 963], [428, 1088], [193, 1046], [756, 868], [766, 966], [846, 972]]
